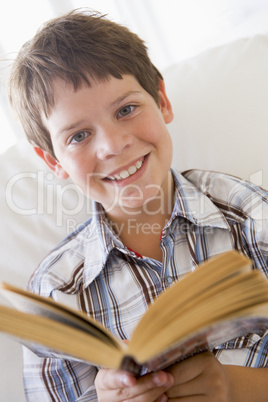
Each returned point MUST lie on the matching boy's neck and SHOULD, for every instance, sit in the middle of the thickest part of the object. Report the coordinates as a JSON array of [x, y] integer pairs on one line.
[[141, 230]]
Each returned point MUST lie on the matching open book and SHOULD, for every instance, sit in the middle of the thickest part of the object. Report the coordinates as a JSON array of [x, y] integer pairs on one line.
[[222, 299]]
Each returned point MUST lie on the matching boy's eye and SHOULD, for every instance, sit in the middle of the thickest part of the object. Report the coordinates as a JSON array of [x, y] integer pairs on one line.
[[79, 137], [125, 110]]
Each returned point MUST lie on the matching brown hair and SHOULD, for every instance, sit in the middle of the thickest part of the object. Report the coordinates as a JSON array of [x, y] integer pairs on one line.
[[73, 47]]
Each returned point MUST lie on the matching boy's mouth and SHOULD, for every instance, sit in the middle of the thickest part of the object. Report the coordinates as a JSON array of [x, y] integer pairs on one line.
[[125, 173]]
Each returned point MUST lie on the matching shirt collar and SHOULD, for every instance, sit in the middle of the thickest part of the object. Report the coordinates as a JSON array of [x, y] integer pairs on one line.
[[103, 240], [190, 203]]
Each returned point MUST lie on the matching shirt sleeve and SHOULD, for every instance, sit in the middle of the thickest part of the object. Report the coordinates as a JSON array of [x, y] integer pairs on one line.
[[249, 351], [57, 380]]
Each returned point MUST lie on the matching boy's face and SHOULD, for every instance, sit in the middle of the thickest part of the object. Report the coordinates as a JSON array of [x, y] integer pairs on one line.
[[111, 139]]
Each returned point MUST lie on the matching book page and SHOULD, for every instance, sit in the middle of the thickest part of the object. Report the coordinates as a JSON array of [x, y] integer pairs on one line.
[[37, 305], [211, 337]]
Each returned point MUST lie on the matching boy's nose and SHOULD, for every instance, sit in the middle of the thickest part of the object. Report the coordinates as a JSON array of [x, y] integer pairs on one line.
[[112, 142]]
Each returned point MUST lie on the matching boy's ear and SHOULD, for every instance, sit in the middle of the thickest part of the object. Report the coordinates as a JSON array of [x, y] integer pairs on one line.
[[164, 103], [51, 162]]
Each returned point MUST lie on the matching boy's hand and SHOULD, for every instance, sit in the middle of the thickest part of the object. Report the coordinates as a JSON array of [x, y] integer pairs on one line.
[[117, 385], [199, 378]]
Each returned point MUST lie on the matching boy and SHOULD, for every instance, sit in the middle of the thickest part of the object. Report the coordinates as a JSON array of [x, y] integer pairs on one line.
[[95, 109]]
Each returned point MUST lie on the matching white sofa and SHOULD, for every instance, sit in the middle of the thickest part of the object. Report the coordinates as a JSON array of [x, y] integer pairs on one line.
[[220, 100]]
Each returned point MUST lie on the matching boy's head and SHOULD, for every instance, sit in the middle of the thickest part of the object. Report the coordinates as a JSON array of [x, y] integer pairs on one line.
[[77, 48]]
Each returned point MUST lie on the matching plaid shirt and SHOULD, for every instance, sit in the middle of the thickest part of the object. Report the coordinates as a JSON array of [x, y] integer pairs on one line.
[[91, 270]]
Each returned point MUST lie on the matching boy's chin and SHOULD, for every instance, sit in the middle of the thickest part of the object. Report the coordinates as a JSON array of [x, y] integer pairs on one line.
[[131, 207], [146, 204]]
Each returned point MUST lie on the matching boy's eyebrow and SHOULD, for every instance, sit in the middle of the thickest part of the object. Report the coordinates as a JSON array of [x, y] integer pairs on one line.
[[123, 97], [70, 127]]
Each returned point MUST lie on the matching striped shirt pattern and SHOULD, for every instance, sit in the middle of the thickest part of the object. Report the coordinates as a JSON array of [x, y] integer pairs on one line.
[[93, 271]]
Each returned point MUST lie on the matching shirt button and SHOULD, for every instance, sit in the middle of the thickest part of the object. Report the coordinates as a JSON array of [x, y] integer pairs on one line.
[[168, 280]]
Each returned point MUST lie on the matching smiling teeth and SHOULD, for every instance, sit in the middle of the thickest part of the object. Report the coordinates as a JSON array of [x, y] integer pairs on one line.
[[126, 173]]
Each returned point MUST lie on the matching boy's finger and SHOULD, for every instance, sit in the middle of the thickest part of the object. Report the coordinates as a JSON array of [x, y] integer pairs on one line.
[[149, 387], [114, 379], [126, 386]]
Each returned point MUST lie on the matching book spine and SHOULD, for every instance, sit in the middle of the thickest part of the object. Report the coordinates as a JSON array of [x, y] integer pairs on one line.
[[129, 364]]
